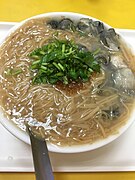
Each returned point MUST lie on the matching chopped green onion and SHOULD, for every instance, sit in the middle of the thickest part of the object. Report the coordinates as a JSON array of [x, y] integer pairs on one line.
[[61, 67], [35, 56], [96, 51], [63, 48], [61, 60], [13, 72], [36, 62], [42, 52], [43, 67], [56, 65]]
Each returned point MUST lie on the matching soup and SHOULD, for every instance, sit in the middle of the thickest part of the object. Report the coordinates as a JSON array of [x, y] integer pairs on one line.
[[66, 107]]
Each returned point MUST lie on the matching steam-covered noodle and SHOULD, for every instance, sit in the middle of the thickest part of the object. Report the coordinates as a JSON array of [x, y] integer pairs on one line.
[[79, 113]]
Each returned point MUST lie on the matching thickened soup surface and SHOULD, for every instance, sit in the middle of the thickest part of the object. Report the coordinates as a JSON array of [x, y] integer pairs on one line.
[[72, 82]]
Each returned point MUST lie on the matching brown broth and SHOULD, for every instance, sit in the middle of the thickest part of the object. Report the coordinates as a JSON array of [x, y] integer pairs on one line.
[[76, 114]]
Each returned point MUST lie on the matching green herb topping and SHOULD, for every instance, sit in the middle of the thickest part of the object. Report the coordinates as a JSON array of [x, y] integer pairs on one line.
[[62, 60], [13, 72]]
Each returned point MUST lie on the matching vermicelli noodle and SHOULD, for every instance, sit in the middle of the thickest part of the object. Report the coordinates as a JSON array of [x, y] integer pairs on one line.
[[80, 114]]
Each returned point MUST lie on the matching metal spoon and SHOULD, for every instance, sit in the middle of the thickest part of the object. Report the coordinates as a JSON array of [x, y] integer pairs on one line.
[[42, 165]]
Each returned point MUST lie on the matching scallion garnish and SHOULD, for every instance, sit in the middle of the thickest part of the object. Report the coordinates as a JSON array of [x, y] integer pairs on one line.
[[13, 72], [62, 60]]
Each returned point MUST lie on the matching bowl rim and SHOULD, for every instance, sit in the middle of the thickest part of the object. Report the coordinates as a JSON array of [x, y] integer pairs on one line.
[[22, 135]]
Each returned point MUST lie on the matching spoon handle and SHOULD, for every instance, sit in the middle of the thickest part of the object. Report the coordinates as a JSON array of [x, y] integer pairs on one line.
[[42, 165]]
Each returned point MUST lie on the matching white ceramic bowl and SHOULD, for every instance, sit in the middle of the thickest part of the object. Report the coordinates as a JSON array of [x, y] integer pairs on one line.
[[11, 127]]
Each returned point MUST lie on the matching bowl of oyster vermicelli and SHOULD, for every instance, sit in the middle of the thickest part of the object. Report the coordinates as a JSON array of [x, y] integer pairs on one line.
[[71, 77]]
